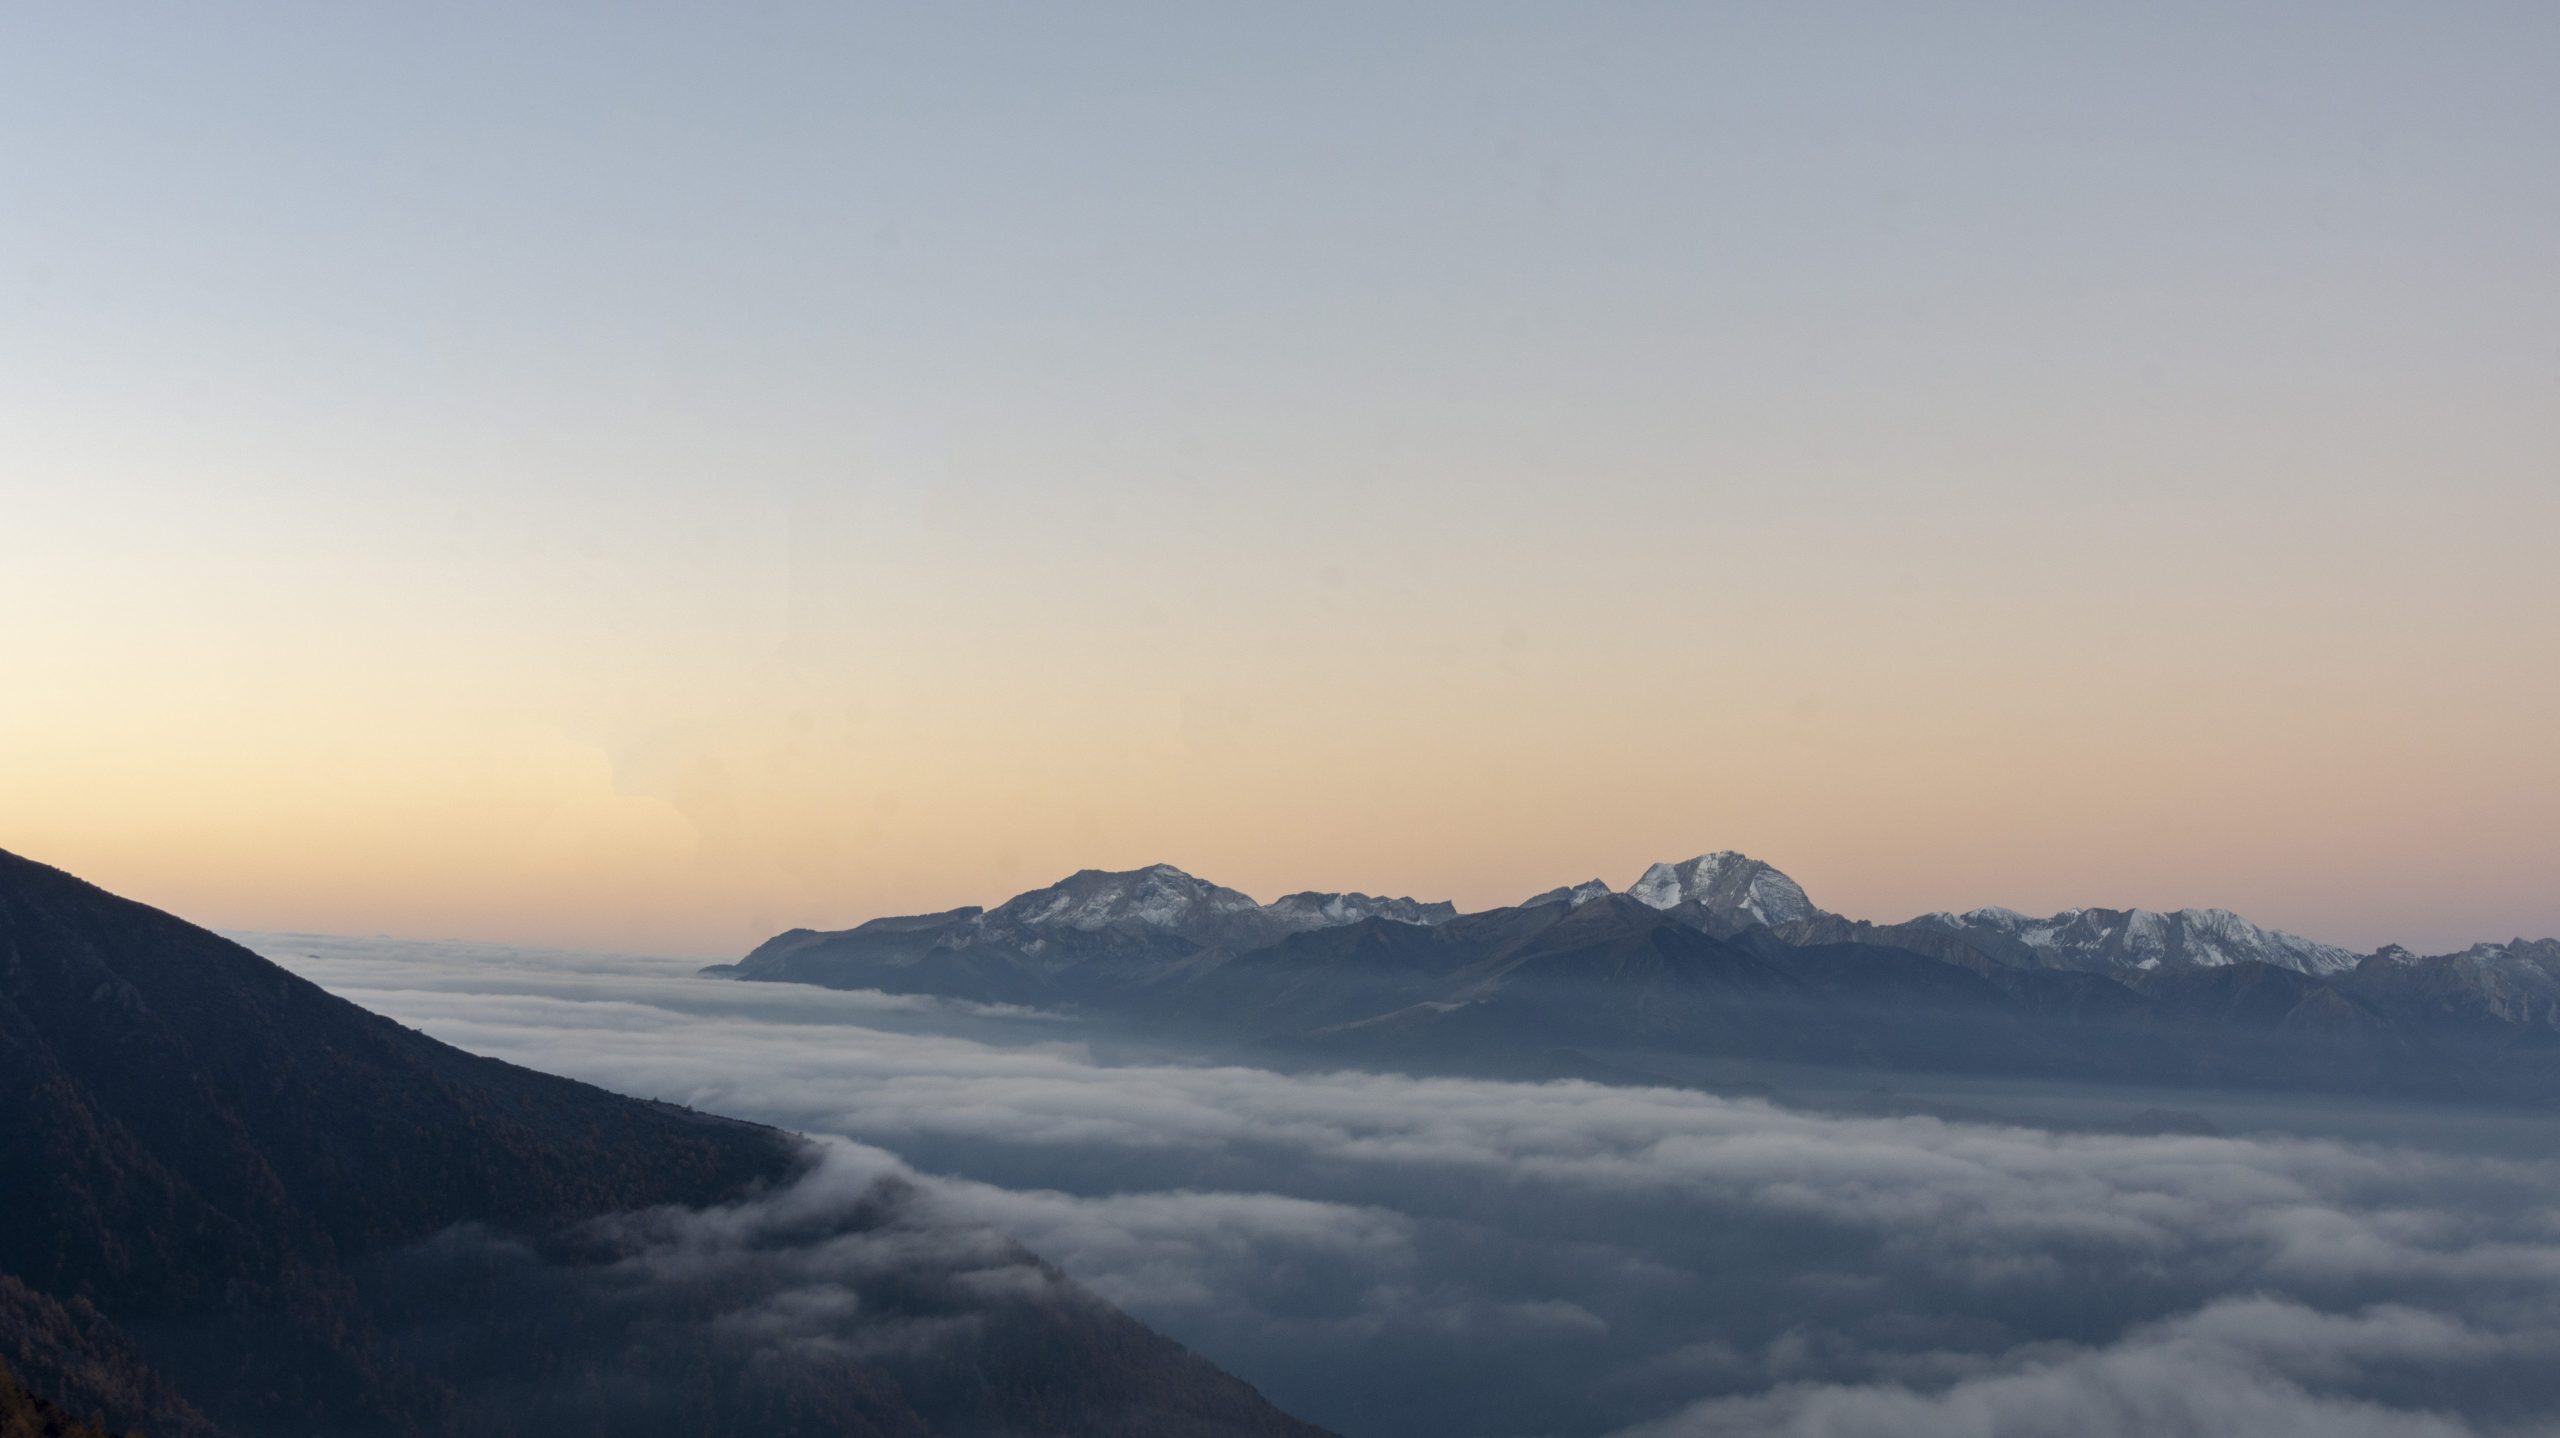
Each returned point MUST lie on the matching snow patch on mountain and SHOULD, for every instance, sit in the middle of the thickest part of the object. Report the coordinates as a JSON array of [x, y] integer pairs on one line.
[[1313, 910], [2150, 939]]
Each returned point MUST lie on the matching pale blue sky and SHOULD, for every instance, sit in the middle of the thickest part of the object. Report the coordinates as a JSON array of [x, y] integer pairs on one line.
[[1973, 416]]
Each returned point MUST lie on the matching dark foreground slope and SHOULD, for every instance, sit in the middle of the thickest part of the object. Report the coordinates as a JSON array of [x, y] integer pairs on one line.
[[24, 1415], [232, 1203]]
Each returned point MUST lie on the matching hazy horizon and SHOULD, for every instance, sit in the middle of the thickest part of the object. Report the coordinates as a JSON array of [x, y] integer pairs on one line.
[[646, 479], [991, 899]]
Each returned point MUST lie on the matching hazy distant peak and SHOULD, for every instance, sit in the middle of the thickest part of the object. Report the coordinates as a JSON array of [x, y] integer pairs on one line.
[[1993, 918], [1574, 894], [1314, 910], [1729, 885], [2150, 939], [2544, 952], [905, 923]]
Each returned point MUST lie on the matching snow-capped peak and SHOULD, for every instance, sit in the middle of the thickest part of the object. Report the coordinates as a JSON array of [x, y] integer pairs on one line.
[[1728, 884], [1159, 896]]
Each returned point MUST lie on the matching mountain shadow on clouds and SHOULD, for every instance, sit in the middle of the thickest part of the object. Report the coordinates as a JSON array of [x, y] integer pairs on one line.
[[231, 1203]]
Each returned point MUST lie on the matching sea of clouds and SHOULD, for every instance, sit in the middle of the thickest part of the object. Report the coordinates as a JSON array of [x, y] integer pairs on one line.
[[1391, 1255]]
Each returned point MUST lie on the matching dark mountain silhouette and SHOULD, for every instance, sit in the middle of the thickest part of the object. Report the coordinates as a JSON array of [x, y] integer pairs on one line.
[[1722, 956], [231, 1203]]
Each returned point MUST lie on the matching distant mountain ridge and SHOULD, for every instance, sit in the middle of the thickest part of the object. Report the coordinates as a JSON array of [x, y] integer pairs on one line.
[[1091, 920], [2102, 940], [1718, 954], [1724, 893]]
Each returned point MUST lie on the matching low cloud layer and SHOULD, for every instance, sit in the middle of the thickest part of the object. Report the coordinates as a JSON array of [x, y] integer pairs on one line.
[[1413, 1256], [850, 1299], [2256, 1366]]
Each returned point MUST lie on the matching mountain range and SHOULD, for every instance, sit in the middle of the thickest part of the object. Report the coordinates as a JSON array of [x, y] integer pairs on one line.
[[233, 1204], [1724, 956]]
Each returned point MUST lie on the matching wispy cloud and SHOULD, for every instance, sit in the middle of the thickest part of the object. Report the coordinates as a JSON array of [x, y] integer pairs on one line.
[[2255, 1366]]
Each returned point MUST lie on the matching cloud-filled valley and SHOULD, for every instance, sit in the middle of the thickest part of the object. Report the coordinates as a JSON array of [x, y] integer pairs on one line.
[[1400, 1255]]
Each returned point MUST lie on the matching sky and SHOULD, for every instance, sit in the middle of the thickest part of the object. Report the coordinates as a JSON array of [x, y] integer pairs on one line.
[[648, 476]]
